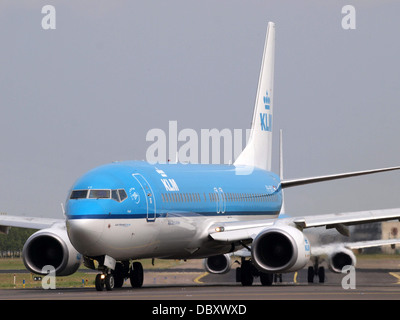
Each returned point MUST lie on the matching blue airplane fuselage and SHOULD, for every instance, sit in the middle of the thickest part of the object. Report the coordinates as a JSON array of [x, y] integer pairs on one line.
[[126, 207]]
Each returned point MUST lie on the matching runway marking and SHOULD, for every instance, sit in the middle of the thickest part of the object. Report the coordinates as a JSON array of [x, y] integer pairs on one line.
[[197, 280], [396, 275]]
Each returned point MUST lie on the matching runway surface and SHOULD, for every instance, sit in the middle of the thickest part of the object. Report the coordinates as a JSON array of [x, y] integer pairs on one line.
[[379, 281]]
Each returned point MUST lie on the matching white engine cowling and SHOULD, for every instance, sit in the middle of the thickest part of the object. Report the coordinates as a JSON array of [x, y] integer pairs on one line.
[[340, 258], [280, 249], [219, 264], [51, 247]]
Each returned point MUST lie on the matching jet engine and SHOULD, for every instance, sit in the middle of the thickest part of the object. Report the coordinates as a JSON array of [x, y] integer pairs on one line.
[[340, 258], [280, 249], [51, 247], [219, 264]]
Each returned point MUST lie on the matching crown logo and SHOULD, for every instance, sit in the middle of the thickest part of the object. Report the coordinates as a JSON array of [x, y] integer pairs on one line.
[[267, 101]]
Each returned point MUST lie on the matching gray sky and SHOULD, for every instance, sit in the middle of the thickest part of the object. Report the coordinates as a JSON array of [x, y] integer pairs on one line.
[[87, 93]]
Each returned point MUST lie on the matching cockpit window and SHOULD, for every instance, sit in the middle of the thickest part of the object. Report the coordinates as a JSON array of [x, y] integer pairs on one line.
[[114, 195], [122, 194], [79, 194], [100, 194], [118, 195]]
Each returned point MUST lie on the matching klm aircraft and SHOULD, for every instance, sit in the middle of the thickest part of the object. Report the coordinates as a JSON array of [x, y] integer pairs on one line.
[[122, 212]]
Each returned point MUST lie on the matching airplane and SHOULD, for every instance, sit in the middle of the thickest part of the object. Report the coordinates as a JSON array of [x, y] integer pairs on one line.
[[339, 255], [336, 255], [122, 212]]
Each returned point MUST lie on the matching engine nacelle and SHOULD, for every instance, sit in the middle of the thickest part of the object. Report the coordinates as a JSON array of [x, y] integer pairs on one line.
[[51, 247], [340, 258], [219, 264], [280, 249]]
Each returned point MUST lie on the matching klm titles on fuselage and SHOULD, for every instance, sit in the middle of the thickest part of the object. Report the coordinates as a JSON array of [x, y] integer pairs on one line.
[[265, 117], [170, 184]]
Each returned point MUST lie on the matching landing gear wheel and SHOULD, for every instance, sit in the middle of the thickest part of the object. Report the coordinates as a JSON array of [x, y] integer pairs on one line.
[[266, 279], [246, 274], [136, 275], [310, 274], [99, 282], [321, 274], [109, 282], [120, 273]]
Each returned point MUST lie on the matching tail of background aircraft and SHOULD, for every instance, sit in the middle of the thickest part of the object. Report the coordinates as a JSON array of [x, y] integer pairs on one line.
[[258, 150]]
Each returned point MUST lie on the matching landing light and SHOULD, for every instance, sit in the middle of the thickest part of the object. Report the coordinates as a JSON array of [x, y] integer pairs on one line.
[[219, 229]]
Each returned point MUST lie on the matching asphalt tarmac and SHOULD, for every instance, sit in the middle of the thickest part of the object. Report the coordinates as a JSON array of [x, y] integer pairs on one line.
[[378, 280]]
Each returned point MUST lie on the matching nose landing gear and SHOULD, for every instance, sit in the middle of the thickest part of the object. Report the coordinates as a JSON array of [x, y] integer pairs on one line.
[[104, 280], [111, 279]]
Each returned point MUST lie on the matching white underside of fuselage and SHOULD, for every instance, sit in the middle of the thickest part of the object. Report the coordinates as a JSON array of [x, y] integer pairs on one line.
[[168, 237]]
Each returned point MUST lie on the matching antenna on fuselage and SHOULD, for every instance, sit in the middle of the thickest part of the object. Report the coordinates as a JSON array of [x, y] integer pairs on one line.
[[281, 167], [176, 159]]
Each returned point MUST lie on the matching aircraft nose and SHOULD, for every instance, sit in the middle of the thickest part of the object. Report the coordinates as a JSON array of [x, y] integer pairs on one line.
[[84, 225]]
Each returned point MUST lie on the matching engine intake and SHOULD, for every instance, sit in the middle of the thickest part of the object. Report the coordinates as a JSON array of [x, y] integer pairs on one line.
[[219, 264], [339, 259], [50, 247], [280, 249]]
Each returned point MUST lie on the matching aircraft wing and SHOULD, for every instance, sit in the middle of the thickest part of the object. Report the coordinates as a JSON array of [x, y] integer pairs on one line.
[[322, 250], [239, 231], [370, 244], [341, 220], [7, 221], [338, 255]]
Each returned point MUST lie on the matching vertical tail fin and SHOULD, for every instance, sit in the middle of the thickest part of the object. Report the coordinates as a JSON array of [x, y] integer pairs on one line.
[[257, 152]]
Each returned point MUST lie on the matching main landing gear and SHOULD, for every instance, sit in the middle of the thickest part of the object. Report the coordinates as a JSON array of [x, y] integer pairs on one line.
[[247, 272], [111, 279], [315, 271]]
